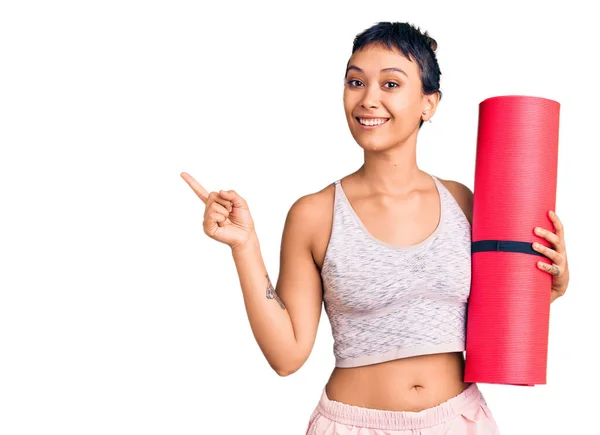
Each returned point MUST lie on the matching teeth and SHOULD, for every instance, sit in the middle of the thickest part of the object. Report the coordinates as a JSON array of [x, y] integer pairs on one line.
[[372, 122]]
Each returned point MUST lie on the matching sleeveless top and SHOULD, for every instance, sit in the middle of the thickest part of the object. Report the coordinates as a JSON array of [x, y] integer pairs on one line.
[[386, 301]]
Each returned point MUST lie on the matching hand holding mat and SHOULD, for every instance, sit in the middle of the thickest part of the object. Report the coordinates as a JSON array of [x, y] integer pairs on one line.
[[558, 255]]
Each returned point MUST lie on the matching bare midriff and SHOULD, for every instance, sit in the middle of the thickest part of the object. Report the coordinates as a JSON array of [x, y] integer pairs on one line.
[[406, 384]]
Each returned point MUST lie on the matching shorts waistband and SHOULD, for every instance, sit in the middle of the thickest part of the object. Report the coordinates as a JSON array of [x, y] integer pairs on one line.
[[398, 420]]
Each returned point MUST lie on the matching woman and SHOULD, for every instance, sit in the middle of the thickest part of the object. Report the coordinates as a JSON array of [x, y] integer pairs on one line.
[[387, 250]]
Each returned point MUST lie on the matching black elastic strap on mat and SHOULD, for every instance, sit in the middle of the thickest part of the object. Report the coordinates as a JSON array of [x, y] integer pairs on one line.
[[504, 245]]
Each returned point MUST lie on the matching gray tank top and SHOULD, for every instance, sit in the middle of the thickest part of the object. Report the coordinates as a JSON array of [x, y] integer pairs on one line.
[[385, 301]]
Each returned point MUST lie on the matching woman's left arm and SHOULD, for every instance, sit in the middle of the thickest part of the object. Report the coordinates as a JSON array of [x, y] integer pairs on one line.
[[557, 254]]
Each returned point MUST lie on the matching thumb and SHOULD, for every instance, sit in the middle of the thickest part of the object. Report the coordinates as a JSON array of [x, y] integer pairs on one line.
[[234, 197]]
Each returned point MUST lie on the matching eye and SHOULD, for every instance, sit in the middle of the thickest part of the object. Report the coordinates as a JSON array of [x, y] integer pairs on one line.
[[354, 83], [395, 85]]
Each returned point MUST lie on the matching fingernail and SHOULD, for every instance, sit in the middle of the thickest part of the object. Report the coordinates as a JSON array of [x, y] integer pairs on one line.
[[551, 213], [536, 245]]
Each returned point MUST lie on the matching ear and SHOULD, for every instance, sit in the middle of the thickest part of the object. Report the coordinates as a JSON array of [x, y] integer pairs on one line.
[[429, 105]]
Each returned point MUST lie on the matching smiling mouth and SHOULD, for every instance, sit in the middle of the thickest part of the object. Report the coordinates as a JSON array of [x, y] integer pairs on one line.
[[371, 122]]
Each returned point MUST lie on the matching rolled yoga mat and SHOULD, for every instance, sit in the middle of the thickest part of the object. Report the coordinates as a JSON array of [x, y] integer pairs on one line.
[[515, 186]]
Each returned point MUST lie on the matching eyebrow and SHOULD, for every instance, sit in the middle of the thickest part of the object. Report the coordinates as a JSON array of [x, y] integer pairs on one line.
[[392, 69]]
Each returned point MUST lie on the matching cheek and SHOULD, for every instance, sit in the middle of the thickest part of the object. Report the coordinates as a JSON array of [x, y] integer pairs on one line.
[[399, 106], [348, 103]]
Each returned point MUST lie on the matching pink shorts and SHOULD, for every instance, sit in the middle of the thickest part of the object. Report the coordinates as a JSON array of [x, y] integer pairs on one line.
[[466, 413]]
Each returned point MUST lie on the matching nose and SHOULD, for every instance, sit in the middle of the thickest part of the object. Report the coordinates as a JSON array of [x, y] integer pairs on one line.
[[370, 99]]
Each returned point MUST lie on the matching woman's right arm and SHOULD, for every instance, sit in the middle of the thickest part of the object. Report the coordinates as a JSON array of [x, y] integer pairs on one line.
[[284, 319]]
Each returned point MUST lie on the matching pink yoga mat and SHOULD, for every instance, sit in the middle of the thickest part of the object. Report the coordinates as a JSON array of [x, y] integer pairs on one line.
[[515, 186]]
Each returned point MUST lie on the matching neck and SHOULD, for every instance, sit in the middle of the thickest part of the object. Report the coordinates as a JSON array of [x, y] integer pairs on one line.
[[393, 171]]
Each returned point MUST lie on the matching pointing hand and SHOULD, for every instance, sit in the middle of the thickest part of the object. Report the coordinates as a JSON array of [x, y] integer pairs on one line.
[[227, 218]]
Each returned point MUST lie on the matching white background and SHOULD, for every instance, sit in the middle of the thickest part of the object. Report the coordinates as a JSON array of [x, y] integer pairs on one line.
[[119, 316]]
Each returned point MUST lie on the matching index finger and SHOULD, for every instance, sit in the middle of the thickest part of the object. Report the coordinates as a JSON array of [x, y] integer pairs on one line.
[[557, 224], [196, 187]]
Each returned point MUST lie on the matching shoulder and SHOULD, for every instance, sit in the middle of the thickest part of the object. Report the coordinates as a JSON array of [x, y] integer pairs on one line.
[[315, 204], [310, 220], [463, 196], [311, 211]]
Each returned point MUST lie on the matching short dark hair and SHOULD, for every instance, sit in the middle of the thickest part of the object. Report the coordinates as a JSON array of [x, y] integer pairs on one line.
[[412, 43]]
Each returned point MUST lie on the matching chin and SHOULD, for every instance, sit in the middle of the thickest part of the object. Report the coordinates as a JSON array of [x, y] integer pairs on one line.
[[371, 144]]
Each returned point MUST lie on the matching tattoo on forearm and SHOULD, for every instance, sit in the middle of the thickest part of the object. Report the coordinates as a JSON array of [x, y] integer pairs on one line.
[[272, 294]]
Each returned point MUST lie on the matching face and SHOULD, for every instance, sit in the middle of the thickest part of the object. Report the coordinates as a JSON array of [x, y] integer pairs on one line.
[[383, 98]]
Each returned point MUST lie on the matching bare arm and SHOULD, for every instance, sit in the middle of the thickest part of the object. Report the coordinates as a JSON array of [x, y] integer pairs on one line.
[[284, 320]]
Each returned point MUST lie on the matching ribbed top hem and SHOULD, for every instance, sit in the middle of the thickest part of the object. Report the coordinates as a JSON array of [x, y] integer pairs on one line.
[[426, 349], [397, 420]]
